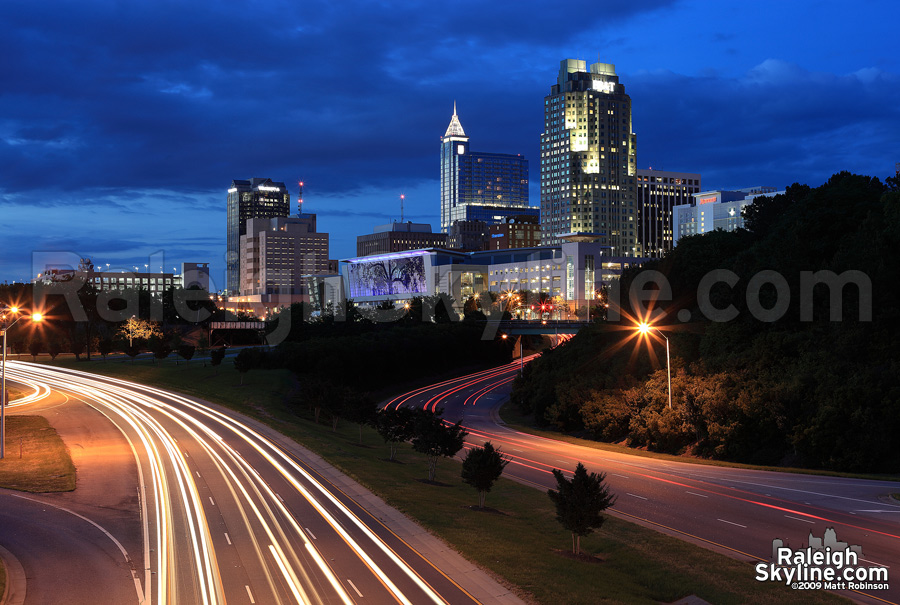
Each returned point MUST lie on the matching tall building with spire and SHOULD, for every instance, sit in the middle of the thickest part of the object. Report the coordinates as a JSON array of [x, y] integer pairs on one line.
[[588, 188], [477, 185]]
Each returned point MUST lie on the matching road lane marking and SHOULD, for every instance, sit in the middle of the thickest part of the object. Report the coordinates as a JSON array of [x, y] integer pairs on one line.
[[186, 455], [732, 523], [799, 519], [635, 495], [227, 539], [198, 473], [279, 496], [249, 594], [618, 475], [211, 501], [696, 494], [311, 534], [874, 563], [876, 510], [350, 582]]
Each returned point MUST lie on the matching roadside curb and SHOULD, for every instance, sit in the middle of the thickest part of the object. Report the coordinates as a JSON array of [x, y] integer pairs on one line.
[[14, 593]]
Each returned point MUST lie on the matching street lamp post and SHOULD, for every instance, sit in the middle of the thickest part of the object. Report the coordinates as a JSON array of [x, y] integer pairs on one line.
[[3, 398], [645, 328]]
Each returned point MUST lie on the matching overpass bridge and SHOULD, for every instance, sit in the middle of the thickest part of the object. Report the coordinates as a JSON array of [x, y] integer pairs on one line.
[[514, 327]]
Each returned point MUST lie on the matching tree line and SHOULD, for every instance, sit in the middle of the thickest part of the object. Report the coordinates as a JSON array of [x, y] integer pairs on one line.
[[797, 387]]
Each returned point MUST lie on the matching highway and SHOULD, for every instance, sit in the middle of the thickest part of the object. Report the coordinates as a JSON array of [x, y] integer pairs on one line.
[[228, 513], [736, 511]]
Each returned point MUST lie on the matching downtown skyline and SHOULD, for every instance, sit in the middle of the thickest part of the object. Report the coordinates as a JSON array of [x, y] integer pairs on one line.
[[122, 128]]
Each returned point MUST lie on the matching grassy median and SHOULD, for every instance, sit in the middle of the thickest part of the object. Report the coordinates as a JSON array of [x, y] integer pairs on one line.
[[519, 540], [36, 458]]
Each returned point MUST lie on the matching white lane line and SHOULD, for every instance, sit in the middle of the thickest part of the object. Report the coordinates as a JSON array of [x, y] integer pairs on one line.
[[876, 510], [279, 496], [311, 534], [511, 449], [874, 563], [198, 473], [636, 496], [186, 455], [618, 475], [696, 494], [732, 523], [354, 587], [563, 461], [211, 501], [227, 539], [799, 519], [249, 594]]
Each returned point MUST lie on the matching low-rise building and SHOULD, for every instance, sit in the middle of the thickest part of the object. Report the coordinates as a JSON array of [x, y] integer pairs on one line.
[[711, 210], [520, 231], [397, 237]]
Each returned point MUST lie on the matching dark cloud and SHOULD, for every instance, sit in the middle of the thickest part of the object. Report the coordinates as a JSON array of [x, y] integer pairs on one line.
[[110, 112]]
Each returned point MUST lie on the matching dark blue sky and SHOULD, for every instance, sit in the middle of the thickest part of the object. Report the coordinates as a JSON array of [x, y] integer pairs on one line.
[[123, 123]]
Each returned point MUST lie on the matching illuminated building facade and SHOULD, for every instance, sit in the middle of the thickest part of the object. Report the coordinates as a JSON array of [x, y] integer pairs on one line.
[[277, 252], [588, 160], [248, 199], [397, 237], [658, 192], [515, 232], [498, 182], [711, 210]]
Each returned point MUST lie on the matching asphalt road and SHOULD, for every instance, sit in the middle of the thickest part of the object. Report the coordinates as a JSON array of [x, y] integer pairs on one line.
[[736, 511], [227, 512]]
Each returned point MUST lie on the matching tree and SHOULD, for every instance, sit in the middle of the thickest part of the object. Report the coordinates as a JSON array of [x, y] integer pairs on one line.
[[142, 329], [77, 346], [359, 408], [54, 348], [435, 438], [244, 362], [105, 347], [131, 350], [186, 351], [34, 348], [481, 467], [395, 426], [580, 501], [216, 356], [161, 348]]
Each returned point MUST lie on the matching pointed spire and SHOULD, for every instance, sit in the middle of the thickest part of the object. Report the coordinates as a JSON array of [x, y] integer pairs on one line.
[[455, 129]]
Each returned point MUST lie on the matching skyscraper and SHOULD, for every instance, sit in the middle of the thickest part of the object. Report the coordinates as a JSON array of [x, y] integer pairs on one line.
[[491, 183], [255, 198], [588, 160], [658, 193]]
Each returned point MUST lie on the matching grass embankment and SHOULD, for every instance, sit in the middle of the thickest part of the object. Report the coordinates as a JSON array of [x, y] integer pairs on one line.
[[520, 541], [36, 458]]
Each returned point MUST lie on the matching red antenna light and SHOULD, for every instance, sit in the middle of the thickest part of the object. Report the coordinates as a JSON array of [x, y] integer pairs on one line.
[[300, 199]]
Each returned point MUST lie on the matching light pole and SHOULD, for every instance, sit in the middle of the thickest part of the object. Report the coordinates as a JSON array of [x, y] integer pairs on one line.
[[34, 317], [644, 328]]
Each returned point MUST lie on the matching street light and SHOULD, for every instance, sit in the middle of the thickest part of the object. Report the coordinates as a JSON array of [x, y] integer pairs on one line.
[[35, 317], [644, 328]]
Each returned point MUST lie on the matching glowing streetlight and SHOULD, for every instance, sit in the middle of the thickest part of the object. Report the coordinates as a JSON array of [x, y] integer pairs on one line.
[[644, 328], [35, 317]]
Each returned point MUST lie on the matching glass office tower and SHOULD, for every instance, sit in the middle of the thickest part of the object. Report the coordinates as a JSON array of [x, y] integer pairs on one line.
[[254, 198], [588, 160], [496, 181]]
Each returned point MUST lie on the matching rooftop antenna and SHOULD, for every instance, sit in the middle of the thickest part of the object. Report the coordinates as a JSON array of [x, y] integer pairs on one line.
[[300, 198], [402, 197]]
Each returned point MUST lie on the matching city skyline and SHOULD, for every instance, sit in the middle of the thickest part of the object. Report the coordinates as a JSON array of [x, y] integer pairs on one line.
[[129, 124]]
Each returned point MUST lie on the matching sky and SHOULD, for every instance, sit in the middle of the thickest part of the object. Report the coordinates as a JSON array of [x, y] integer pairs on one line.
[[122, 123]]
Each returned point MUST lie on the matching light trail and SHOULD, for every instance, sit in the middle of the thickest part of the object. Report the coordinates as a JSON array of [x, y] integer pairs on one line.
[[164, 428]]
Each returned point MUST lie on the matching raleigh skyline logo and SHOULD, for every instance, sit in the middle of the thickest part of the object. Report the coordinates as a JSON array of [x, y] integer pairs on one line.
[[826, 563]]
